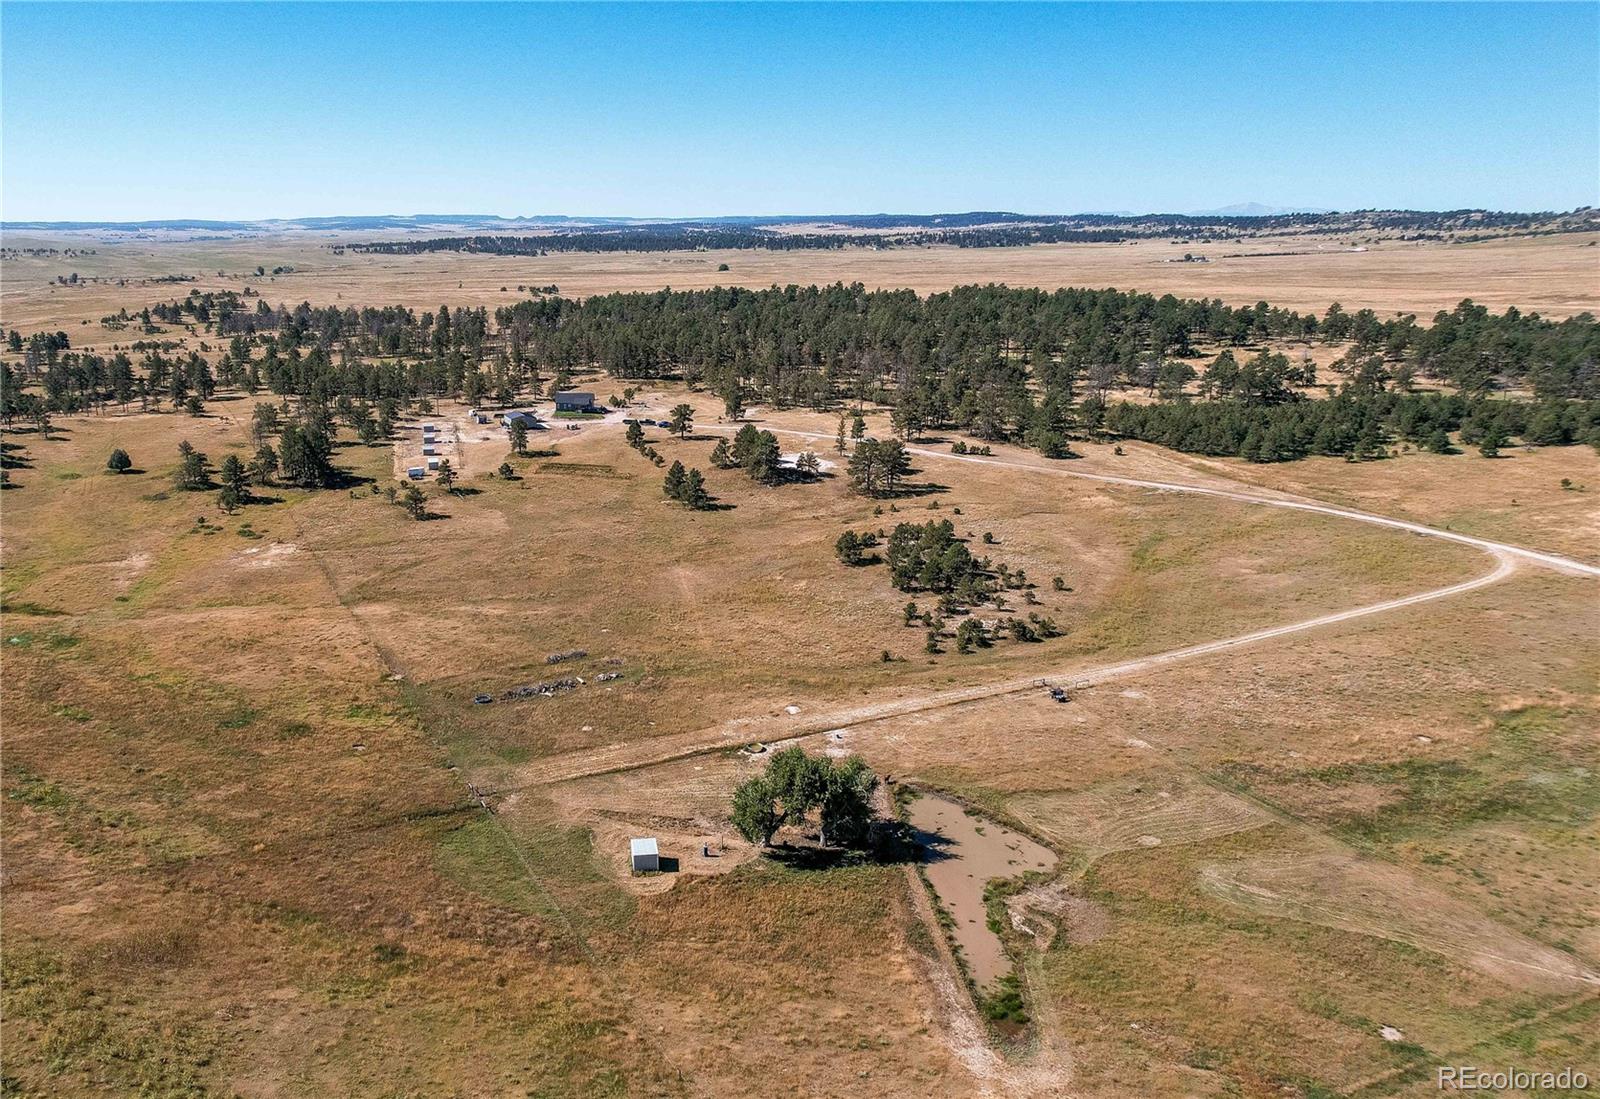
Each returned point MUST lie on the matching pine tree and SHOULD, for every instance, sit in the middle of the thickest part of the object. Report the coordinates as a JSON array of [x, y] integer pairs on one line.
[[194, 472], [119, 462], [673, 485], [415, 503], [264, 467], [694, 491], [234, 478]]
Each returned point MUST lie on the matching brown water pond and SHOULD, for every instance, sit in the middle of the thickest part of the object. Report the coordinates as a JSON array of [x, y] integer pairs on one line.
[[963, 853]]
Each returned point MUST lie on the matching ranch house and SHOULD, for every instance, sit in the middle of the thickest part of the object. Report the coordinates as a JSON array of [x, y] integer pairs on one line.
[[574, 402]]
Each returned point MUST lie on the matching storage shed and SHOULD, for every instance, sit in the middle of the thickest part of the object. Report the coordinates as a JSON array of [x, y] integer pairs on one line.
[[646, 856]]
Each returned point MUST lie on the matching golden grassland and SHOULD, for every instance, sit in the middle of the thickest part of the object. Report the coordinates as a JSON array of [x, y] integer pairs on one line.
[[242, 855], [1556, 276]]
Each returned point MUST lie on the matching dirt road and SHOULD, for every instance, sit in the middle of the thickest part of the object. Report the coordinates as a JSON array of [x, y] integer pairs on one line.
[[628, 756]]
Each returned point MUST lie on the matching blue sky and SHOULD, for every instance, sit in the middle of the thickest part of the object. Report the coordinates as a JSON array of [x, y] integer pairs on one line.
[[258, 110]]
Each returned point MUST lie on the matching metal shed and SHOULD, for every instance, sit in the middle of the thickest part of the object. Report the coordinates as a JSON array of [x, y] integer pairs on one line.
[[646, 856]]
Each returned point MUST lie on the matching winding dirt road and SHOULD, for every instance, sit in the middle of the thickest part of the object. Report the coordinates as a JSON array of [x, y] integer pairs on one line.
[[1049, 1069], [630, 756]]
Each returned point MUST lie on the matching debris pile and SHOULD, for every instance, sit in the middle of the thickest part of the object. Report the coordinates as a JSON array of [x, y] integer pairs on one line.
[[551, 687], [548, 689]]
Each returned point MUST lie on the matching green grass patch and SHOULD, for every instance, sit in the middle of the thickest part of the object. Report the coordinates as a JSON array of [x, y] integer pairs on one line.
[[87, 1040], [50, 642], [1538, 768], [479, 857], [32, 609], [238, 718]]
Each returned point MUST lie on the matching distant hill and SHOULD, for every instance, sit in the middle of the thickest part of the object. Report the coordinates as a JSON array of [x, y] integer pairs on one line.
[[1257, 210], [535, 235]]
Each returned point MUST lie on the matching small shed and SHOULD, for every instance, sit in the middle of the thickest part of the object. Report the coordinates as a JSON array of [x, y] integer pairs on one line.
[[433, 463], [429, 448], [574, 402], [646, 856], [415, 473]]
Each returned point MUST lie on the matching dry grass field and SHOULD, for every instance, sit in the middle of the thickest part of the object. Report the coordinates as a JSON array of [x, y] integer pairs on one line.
[[260, 839], [1556, 276]]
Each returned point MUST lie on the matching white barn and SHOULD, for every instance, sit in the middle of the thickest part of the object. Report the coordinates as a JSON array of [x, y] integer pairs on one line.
[[646, 856]]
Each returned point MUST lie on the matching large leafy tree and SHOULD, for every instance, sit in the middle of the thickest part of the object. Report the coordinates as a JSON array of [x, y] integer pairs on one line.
[[794, 785]]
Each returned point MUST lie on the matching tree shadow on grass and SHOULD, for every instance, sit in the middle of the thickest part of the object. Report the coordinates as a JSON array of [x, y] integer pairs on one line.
[[343, 478], [890, 843], [911, 491]]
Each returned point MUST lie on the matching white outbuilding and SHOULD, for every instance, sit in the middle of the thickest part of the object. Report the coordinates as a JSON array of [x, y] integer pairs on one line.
[[646, 856]]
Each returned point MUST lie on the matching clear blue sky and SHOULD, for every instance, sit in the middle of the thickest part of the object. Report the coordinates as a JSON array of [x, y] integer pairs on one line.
[[257, 110]]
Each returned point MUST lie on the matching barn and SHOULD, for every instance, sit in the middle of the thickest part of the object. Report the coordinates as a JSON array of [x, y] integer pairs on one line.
[[526, 419], [646, 856], [575, 402]]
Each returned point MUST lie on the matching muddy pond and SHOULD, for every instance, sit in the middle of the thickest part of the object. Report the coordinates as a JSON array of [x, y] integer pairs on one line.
[[962, 854]]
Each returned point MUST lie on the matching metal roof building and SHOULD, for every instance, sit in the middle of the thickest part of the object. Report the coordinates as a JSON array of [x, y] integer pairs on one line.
[[646, 856]]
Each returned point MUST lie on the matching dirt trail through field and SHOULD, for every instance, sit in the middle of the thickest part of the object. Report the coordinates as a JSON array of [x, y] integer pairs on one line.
[[1263, 497], [626, 756]]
